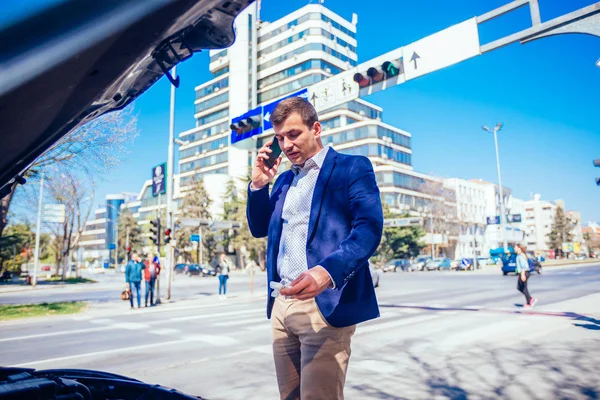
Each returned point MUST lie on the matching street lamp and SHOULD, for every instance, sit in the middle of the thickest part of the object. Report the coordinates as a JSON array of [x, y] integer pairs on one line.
[[502, 212]]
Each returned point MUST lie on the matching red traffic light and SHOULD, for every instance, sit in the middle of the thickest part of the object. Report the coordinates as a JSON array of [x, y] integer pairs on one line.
[[129, 249], [361, 80], [167, 232]]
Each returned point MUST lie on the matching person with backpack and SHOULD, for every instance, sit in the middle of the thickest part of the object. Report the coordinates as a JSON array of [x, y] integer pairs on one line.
[[522, 272], [223, 274], [133, 277]]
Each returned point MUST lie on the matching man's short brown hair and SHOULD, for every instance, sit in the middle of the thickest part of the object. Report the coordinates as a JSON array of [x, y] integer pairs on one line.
[[294, 104]]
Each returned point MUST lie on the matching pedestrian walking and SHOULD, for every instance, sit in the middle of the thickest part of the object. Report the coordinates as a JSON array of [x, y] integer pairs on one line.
[[133, 277], [151, 272], [223, 274], [324, 220], [522, 271]]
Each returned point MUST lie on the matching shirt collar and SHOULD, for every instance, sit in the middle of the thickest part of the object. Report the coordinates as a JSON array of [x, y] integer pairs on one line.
[[315, 161]]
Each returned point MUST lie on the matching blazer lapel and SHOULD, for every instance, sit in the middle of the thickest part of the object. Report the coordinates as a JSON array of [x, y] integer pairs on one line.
[[320, 186]]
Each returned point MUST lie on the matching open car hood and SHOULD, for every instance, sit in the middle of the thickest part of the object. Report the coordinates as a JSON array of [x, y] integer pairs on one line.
[[80, 59]]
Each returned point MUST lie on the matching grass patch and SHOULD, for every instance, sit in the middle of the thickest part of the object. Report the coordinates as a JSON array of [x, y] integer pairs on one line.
[[17, 311], [71, 280]]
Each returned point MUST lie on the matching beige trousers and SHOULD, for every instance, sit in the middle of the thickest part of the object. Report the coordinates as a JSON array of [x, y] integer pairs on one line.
[[311, 356]]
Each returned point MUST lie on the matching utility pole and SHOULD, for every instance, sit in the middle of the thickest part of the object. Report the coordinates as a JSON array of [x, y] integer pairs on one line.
[[500, 190], [170, 182], [36, 264]]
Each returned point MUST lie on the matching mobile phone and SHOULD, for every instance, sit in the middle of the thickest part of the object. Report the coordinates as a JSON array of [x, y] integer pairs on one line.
[[276, 152]]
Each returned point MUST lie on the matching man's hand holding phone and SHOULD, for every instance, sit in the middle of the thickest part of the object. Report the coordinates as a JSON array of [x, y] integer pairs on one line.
[[266, 165]]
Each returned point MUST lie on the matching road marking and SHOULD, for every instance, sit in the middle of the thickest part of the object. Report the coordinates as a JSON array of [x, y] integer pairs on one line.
[[259, 327], [130, 325], [102, 321], [49, 334], [394, 324], [238, 322], [266, 349], [215, 340], [210, 339], [165, 331], [206, 316]]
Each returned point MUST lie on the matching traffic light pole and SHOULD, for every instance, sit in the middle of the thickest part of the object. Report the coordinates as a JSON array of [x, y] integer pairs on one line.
[[170, 181]]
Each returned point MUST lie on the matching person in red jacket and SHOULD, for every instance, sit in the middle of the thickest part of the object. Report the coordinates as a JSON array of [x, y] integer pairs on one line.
[[151, 272]]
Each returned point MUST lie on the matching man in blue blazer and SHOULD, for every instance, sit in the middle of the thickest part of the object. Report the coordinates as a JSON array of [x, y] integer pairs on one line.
[[324, 220]]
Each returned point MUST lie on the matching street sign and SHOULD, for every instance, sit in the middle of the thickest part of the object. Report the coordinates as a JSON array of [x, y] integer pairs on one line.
[[195, 222], [514, 218], [54, 213], [493, 220], [267, 110], [398, 222], [332, 92], [112, 246], [244, 120], [442, 49], [194, 238], [159, 183]]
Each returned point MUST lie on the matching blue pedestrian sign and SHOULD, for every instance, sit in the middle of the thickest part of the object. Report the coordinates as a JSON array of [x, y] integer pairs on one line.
[[493, 220], [194, 238], [246, 125], [112, 246], [268, 109]]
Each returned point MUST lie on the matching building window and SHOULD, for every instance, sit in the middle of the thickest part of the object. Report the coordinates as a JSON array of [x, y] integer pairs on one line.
[[212, 117], [218, 55], [297, 69], [331, 123], [304, 18], [216, 86], [365, 132], [359, 108], [188, 180], [204, 162], [215, 101], [205, 133], [374, 150], [304, 49], [221, 71], [290, 87], [209, 146], [300, 35]]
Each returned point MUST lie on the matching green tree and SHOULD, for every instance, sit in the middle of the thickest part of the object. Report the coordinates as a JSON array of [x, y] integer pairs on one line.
[[195, 204], [19, 246], [561, 231], [234, 209], [130, 233], [399, 242]]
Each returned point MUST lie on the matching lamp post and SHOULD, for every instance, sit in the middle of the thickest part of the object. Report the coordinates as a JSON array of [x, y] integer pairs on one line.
[[502, 211]]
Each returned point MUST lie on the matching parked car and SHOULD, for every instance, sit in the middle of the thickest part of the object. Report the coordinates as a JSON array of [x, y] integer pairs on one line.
[[46, 268], [419, 263], [374, 275], [180, 268], [482, 261], [466, 264], [398, 263], [208, 270], [440, 264], [509, 264], [454, 264]]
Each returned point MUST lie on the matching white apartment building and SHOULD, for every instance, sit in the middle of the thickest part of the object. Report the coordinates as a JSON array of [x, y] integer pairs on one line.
[[538, 219], [271, 60]]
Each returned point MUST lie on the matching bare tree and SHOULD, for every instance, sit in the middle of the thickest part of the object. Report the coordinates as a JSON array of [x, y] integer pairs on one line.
[[77, 195], [440, 208], [91, 150]]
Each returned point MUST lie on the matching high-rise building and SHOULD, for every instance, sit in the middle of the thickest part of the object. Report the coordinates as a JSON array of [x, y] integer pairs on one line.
[[271, 60]]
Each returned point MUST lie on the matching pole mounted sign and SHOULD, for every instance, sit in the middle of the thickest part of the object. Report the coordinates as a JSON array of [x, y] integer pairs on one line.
[[269, 108], [159, 173], [54, 213]]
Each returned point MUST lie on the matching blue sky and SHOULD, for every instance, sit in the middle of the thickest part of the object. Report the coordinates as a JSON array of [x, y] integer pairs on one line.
[[545, 92]]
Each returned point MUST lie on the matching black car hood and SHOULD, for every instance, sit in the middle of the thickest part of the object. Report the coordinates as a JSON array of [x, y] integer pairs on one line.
[[80, 59]]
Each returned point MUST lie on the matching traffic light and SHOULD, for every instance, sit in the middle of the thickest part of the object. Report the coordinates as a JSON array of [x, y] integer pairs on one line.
[[246, 124], [597, 164], [167, 235], [128, 249], [155, 231], [374, 75]]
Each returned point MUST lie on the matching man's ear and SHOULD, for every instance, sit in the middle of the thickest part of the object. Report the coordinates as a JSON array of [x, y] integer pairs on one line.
[[317, 128]]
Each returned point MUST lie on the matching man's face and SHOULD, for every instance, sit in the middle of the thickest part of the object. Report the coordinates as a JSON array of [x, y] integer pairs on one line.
[[298, 142]]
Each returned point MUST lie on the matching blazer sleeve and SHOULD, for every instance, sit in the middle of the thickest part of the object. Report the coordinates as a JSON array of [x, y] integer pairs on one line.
[[258, 211], [367, 225]]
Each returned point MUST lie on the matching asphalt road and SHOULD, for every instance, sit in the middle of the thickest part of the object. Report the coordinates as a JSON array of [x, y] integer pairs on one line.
[[457, 335]]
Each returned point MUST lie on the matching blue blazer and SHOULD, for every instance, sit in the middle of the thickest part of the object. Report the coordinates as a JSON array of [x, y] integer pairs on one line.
[[344, 230]]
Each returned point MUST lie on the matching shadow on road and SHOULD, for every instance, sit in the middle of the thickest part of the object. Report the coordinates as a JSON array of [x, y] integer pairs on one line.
[[541, 371]]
